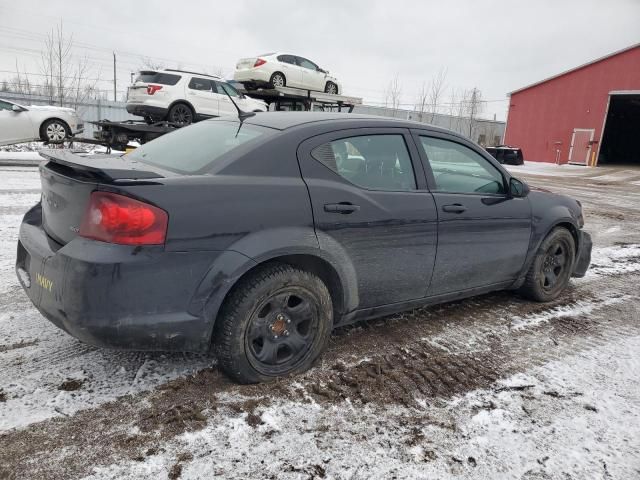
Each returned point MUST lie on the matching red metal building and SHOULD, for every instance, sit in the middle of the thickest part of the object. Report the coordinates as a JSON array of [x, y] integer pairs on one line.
[[587, 115]]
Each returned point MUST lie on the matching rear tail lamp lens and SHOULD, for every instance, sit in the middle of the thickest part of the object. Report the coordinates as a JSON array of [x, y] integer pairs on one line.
[[151, 89], [259, 61], [114, 218]]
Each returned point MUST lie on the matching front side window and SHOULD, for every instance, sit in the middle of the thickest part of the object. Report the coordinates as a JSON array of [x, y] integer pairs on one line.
[[225, 88], [5, 105], [458, 169], [374, 162], [202, 84], [304, 63]]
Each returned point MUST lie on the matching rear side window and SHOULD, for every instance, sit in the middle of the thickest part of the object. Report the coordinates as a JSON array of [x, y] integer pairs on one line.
[[202, 84], [194, 149], [374, 162], [287, 59], [158, 77]]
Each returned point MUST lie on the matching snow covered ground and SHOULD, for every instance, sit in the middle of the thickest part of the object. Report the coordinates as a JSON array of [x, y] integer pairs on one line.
[[493, 387]]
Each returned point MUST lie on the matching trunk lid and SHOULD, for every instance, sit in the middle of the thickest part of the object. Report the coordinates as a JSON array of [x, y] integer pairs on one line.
[[67, 182], [246, 63]]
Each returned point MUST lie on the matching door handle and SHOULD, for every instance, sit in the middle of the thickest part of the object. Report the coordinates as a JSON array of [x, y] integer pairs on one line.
[[343, 208], [455, 208]]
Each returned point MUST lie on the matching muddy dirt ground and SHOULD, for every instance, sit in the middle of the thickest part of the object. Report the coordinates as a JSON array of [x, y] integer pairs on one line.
[[489, 387]]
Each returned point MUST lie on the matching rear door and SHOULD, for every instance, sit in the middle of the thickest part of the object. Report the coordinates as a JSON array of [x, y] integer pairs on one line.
[[483, 233], [291, 70], [203, 95], [372, 210]]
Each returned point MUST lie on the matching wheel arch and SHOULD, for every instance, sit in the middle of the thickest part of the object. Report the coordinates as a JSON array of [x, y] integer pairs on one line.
[[281, 73], [567, 223], [183, 101], [232, 267]]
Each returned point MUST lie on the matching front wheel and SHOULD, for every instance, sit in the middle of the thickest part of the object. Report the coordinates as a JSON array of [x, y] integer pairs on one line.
[[54, 131], [551, 268], [331, 88], [276, 322]]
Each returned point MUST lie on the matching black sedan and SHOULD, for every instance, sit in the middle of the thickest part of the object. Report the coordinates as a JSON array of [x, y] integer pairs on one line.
[[255, 238]]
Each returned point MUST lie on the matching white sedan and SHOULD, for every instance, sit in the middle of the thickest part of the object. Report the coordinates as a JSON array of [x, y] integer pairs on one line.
[[47, 123], [284, 70]]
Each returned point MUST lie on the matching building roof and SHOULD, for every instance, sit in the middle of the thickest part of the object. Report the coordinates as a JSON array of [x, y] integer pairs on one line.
[[600, 59]]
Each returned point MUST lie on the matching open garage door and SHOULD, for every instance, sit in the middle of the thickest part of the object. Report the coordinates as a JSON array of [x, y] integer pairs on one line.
[[621, 136]]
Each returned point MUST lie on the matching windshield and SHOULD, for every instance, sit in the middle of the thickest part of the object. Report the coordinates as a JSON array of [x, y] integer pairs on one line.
[[194, 149]]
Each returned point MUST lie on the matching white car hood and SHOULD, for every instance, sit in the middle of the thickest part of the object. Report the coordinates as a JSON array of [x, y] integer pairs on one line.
[[50, 108]]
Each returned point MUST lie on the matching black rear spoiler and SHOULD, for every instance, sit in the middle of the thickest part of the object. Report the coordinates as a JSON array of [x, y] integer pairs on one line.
[[109, 167]]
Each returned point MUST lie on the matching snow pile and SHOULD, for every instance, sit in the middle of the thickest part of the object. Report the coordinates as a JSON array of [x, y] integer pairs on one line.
[[616, 260]]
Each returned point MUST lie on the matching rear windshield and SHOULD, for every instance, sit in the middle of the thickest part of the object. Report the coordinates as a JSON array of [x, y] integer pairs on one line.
[[158, 77], [194, 149]]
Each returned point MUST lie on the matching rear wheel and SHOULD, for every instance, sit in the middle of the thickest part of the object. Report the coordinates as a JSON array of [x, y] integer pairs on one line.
[[54, 131], [331, 88], [551, 268], [278, 80], [275, 323], [180, 114]]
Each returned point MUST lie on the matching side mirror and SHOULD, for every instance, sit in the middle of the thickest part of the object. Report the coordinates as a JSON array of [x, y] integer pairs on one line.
[[16, 108], [518, 188]]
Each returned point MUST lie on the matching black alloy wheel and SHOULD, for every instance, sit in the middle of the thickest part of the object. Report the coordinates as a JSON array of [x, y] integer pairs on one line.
[[180, 114]]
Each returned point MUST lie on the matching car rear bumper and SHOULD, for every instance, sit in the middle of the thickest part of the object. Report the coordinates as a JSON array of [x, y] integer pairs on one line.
[[583, 257], [255, 76], [116, 296], [144, 110]]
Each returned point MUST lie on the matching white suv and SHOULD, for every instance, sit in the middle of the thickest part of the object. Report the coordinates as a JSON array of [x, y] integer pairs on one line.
[[184, 97]]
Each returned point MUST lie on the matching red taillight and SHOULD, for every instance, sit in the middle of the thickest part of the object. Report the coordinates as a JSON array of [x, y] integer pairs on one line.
[[114, 218], [259, 61], [151, 89]]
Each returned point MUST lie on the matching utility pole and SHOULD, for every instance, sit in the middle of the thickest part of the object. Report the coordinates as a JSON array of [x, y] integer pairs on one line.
[[472, 110], [114, 77]]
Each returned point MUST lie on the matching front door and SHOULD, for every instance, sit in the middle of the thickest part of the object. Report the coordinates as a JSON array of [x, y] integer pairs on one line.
[[372, 210], [580, 146], [483, 232], [14, 126], [201, 95]]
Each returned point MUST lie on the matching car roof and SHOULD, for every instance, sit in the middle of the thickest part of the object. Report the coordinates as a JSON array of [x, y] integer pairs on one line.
[[173, 70], [285, 120]]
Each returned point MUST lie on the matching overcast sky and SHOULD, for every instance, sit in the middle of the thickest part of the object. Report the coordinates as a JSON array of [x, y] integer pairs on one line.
[[496, 46]]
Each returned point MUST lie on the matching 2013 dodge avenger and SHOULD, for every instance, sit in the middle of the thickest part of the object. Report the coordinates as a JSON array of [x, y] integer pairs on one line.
[[255, 237]]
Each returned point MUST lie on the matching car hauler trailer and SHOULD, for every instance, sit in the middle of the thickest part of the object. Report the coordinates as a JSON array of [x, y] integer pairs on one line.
[[287, 98], [117, 135]]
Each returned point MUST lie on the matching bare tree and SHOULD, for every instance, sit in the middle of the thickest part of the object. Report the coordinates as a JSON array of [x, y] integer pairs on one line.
[[393, 94], [148, 63], [20, 83], [436, 90], [65, 80], [474, 107], [422, 102]]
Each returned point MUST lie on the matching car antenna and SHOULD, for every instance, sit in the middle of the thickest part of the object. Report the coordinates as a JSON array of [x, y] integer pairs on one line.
[[242, 115]]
